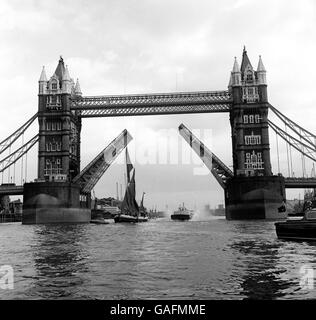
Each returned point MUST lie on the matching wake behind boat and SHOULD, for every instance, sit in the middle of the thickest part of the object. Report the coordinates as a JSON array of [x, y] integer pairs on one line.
[[130, 211], [129, 218], [182, 214]]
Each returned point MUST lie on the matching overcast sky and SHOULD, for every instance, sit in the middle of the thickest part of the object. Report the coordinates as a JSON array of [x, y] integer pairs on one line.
[[138, 46]]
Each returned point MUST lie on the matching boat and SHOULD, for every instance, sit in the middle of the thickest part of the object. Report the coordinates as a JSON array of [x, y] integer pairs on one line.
[[182, 214], [130, 211], [299, 229]]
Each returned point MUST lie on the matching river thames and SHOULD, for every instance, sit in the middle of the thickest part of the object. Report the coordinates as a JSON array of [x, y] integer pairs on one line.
[[161, 259]]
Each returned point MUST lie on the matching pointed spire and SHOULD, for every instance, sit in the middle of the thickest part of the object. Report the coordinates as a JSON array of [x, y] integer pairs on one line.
[[78, 89], [245, 61], [66, 81], [66, 76], [42, 82], [230, 80], [235, 77], [60, 70], [261, 66], [236, 66], [43, 75], [261, 72]]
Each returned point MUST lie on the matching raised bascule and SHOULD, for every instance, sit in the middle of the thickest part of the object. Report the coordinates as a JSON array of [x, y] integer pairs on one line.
[[62, 192]]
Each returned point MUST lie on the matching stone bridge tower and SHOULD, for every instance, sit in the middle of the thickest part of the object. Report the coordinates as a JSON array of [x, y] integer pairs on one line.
[[53, 197], [59, 128], [253, 192]]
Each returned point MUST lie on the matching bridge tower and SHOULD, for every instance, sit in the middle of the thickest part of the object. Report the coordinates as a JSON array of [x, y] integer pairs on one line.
[[59, 128], [53, 197], [253, 192]]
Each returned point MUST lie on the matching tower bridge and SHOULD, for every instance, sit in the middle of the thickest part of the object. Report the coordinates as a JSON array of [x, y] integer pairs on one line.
[[62, 191]]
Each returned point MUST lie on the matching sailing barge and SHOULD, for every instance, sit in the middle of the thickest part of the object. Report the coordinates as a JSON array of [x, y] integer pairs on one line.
[[130, 211]]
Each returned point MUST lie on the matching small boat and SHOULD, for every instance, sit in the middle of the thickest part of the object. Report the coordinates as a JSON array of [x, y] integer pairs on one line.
[[299, 229], [182, 214], [130, 211]]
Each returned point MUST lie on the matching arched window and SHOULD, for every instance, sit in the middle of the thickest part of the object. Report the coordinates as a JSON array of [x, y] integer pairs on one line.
[[48, 167], [249, 76], [54, 85], [253, 161]]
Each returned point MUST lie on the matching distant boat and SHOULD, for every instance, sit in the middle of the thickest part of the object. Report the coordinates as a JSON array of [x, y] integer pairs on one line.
[[130, 211], [299, 229], [182, 214]]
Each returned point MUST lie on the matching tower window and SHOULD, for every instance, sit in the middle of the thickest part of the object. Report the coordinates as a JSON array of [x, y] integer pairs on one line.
[[252, 139], [53, 99], [250, 91], [250, 94], [257, 118], [245, 118], [54, 86], [249, 76], [253, 161]]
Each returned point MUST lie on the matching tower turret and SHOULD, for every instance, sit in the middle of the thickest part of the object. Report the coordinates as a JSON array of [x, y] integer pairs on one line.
[[261, 72], [78, 89], [42, 82], [236, 74], [66, 81]]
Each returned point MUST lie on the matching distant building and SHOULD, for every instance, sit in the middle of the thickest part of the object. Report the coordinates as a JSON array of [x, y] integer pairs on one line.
[[219, 211], [208, 210], [15, 207], [4, 204]]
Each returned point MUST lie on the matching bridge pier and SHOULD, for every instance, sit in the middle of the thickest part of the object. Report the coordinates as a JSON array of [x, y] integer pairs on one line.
[[257, 197], [55, 202]]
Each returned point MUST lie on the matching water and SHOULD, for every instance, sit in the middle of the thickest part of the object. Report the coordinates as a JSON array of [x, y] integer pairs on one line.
[[161, 259]]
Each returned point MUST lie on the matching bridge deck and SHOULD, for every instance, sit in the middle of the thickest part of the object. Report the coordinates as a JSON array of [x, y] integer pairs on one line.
[[11, 190], [153, 104], [297, 183]]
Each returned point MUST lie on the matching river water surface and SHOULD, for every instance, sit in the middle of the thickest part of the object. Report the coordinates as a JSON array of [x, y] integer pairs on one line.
[[161, 259]]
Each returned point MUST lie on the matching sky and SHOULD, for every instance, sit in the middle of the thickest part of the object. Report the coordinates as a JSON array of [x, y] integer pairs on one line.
[[138, 46]]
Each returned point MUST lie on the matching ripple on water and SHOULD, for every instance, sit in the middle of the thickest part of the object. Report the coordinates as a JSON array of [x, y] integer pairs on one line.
[[161, 259]]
